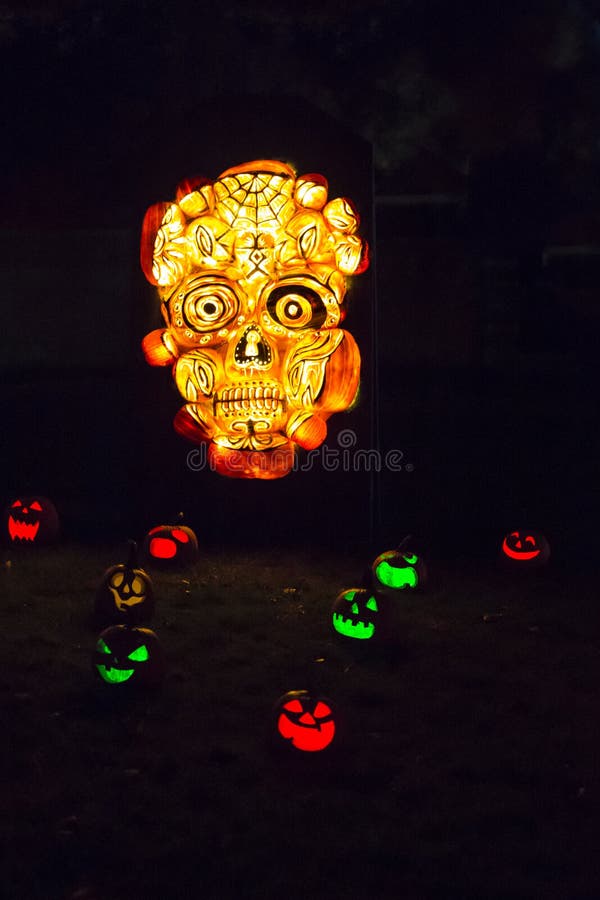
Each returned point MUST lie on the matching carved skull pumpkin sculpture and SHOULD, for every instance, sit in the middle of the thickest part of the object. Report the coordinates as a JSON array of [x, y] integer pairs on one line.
[[32, 521], [251, 272]]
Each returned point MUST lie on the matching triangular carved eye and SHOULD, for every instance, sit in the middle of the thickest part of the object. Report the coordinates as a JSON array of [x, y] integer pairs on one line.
[[17, 503], [293, 706], [321, 710], [372, 604], [35, 505]]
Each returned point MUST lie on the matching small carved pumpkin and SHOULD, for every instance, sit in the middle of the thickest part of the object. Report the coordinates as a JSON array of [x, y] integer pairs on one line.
[[525, 549], [359, 614], [170, 546], [399, 570], [304, 722], [127, 655], [32, 521], [125, 593]]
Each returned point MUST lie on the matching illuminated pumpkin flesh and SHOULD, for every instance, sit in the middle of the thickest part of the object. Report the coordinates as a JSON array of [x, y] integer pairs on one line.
[[251, 273], [526, 549], [32, 520], [126, 655], [304, 722]]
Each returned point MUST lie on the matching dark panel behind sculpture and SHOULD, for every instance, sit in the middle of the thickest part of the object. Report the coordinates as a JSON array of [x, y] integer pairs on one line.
[[97, 419]]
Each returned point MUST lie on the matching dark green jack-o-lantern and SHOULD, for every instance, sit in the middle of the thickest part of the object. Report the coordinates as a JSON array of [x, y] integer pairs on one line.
[[171, 546], [525, 549], [125, 593], [359, 614], [398, 570], [32, 521], [128, 655], [304, 722]]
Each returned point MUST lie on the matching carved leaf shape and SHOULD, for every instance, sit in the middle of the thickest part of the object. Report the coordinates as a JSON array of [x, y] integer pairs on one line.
[[307, 241], [205, 240]]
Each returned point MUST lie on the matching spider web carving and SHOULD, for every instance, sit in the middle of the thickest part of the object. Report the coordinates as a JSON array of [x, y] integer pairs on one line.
[[260, 198]]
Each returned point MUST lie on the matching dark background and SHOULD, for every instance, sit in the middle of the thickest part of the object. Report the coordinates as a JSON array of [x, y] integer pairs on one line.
[[469, 136]]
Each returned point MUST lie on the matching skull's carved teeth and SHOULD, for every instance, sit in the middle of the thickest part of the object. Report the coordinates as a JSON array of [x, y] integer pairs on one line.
[[256, 397]]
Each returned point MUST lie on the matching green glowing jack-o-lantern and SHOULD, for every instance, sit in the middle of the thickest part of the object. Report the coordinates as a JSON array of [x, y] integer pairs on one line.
[[359, 614], [525, 549], [125, 593], [129, 655], [171, 546], [304, 722], [398, 570], [31, 521]]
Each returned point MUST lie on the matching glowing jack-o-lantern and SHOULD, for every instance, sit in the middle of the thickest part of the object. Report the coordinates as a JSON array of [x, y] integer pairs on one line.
[[32, 521], [251, 272], [304, 722], [125, 593], [171, 546], [525, 549], [399, 570], [127, 655], [359, 614]]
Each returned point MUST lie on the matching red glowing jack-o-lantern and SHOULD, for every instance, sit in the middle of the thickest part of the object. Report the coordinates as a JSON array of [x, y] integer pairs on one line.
[[32, 521], [171, 545], [304, 722], [525, 549]]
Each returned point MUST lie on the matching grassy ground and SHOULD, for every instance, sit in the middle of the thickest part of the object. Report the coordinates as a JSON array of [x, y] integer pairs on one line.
[[468, 767]]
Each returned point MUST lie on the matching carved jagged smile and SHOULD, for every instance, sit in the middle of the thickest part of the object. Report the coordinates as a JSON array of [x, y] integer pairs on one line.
[[22, 531], [349, 628], [259, 397], [113, 675]]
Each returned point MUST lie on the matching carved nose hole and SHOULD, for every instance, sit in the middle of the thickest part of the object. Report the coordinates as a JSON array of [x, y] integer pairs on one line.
[[252, 349]]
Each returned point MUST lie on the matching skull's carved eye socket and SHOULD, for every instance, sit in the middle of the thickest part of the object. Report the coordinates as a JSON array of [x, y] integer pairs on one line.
[[296, 306], [207, 307]]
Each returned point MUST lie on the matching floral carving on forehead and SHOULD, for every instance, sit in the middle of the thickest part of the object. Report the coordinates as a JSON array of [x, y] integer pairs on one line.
[[251, 270]]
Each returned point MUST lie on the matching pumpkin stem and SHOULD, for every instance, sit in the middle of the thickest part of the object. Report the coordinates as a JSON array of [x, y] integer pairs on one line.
[[404, 542], [132, 558]]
